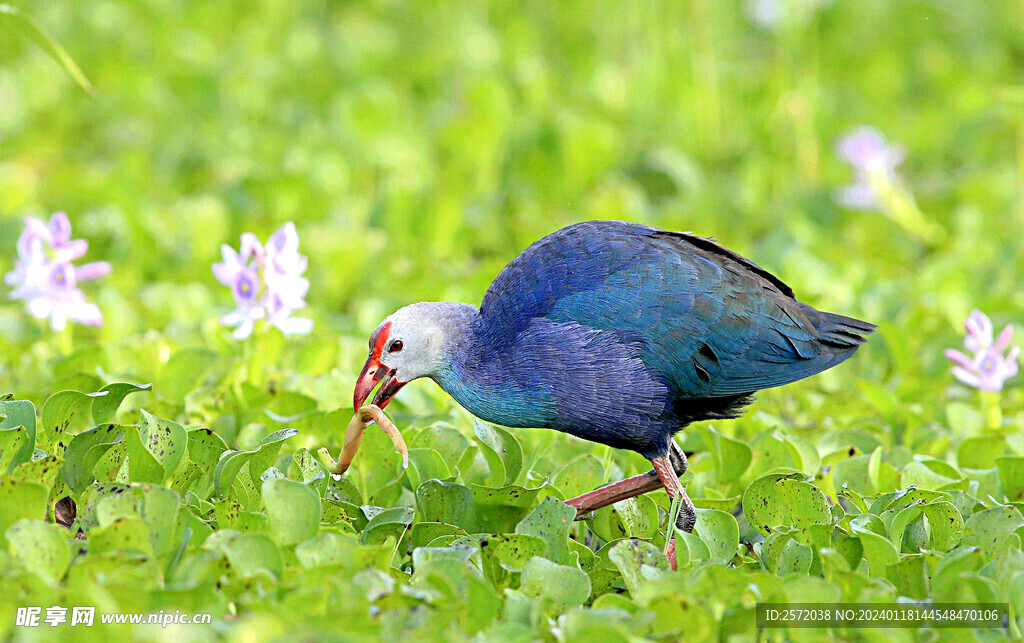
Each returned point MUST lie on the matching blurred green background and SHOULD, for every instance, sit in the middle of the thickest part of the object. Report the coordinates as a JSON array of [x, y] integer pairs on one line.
[[419, 146]]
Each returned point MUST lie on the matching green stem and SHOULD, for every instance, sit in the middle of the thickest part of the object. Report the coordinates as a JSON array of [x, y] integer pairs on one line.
[[673, 515], [66, 340], [991, 410], [255, 356]]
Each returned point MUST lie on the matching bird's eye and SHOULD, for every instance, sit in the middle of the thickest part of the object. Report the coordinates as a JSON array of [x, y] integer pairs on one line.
[[395, 346]]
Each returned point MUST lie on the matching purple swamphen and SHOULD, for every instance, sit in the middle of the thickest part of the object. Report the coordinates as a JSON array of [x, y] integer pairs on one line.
[[616, 333]]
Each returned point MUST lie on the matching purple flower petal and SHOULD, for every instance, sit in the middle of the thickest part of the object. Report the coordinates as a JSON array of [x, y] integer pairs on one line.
[[36, 228], [85, 313], [294, 325], [988, 369], [45, 277], [866, 150], [92, 270], [967, 377], [243, 330], [71, 250], [1011, 361], [1003, 341], [858, 196], [40, 308], [979, 327], [959, 358], [60, 229], [62, 277], [251, 247], [285, 240]]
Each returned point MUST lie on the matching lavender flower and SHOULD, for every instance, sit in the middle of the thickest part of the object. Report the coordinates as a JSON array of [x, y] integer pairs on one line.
[[45, 277], [989, 368], [874, 162], [266, 282]]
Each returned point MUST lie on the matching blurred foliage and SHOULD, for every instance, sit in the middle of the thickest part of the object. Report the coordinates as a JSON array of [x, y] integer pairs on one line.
[[419, 146]]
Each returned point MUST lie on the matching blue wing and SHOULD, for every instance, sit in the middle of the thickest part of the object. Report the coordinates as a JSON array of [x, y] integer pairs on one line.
[[707, 321]]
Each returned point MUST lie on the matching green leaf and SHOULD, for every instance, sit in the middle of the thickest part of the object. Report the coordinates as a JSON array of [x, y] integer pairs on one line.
[[580, 475], [990, 530], [561, 585], [423, 533], [806, 503], [979, 452], [444, 439], [719, 531], [205, 447], [293, 510], [326, 548], [425, 464], [690, 548], [447, 502], [763, 504], [20, 500], [259, 460], [305, 468], [142, 466], [910, 577], [85, 451], [17, 433], [513, 551], [500, 446], [631, 518], [104, 408], [183, 372], [499, 510], [123, 534], [945, 525], [58, 411], [732, 457], [551, 521], [165, 440], [1011, 477], [40, 548], [31, 28], [390, 523], [794, 559], [43, 471], [878, 550], [253, 554], [638, 561]]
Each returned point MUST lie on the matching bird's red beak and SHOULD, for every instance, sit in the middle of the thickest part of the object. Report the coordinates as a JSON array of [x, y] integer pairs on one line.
[[374, 371]]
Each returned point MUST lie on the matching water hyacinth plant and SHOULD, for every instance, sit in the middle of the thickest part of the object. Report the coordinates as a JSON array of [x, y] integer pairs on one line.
[[876, 185], [46, 278], [874, 162], [266, 282], [990, 365]]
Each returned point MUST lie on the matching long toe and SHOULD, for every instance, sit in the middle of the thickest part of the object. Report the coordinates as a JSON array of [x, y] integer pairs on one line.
[[670, 552]]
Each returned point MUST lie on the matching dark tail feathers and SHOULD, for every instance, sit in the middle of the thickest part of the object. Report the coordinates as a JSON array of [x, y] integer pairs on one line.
[[841, 331]]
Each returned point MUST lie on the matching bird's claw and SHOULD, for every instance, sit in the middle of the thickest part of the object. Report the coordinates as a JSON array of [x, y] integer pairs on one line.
[[363, 418]]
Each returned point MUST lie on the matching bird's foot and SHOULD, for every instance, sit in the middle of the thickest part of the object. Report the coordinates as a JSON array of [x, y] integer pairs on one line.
[[363, 418], [670, 553], [667, 470]]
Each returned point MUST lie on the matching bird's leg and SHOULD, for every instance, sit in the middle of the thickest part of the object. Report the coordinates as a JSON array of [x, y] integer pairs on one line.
[[628, 488], [614, 492], [687, 512], [667, 470]]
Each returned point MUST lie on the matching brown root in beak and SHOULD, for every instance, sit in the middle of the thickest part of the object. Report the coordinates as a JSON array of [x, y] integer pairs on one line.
[[363, 418]]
